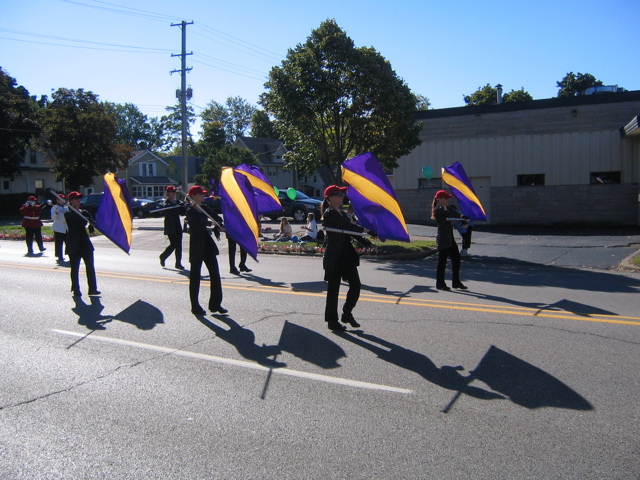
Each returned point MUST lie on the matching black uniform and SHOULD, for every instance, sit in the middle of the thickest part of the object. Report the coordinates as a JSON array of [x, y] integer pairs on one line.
[[202, 248], [173, 230], [340, 261], [79, 246], [447, 246]]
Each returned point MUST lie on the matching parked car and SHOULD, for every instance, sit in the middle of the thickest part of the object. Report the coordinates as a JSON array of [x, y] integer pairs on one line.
[[298, 208], [213, 203], [142, 207]]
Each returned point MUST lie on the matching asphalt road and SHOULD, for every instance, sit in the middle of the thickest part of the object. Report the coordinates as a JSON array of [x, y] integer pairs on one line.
[[531, 373]]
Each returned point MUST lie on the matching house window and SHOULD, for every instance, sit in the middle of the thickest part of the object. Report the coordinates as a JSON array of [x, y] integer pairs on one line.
[[599, 178], [147, 169], [5, 185], [531, 180], [432, 183], [33, 157]]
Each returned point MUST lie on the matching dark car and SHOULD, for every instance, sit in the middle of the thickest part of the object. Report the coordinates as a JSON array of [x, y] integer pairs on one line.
[[298, 208], [213, 203], [90, 203], [142, 207]]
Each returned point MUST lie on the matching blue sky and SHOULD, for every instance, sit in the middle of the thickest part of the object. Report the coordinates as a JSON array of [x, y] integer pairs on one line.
[[121, 50]]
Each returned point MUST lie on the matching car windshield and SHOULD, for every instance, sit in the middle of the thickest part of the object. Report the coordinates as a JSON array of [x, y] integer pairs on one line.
[[301, 196]]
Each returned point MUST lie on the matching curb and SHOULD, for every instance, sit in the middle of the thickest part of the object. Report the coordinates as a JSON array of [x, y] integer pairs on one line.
[[627, 265]]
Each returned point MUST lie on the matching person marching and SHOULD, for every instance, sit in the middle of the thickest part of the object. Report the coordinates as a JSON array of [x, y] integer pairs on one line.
[[441, 212], [59, 226], [173, 227], [79, 245], [232, 258], [202, 248], [32, 224], [340, 261]]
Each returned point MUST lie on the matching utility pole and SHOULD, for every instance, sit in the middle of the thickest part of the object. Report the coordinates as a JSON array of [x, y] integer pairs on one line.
[[183, 101]]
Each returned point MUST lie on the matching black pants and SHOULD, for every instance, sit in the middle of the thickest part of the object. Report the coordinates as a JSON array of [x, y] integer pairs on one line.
[[215, 295], [442, 265], [29, 234], [232, 255], [333, 289], [74, 261], [175, 244], [60, 242], [466, 238]]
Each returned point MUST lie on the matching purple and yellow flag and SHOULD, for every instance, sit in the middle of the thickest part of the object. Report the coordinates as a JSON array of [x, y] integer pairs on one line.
[[114, 218], [266, 198], [239, 210], [455, 176], [373, 199]]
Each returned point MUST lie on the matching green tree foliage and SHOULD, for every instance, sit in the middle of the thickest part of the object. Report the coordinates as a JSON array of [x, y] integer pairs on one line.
[[234, 116], [331, 101], [262, 126], [488, 95], [18, 124], [227, 156], [81, 134], [422, 102], [171, 126], [136, 129], [574, 84]]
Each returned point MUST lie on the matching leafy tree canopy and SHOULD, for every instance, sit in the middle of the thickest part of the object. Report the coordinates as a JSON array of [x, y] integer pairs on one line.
[[81, 134], [171, 126], [136, 129], [234, 116], [262, 126], [488, 95], [227, 156], [422, 102], [574, 84], [331, 101], [18, 124]]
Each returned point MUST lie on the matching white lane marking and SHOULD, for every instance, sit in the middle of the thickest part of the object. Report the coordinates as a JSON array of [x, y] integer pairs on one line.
[[241, 363]]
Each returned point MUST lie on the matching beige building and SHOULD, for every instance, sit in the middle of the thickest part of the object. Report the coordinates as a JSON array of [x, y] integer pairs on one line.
[[544, 162]]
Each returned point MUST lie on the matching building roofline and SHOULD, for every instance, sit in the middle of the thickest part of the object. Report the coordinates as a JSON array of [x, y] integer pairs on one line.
[[596, 99]]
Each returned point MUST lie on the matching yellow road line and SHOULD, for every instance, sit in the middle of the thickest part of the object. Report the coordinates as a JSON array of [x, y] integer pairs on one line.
[[377, 298]]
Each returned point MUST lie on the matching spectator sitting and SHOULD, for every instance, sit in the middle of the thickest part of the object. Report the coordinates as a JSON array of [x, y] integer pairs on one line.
[[285, 233], [312, 229]]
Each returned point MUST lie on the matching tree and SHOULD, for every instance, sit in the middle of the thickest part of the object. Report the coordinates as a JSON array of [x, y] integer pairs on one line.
[[18, 124], [262, 126], [172, 126], [81, 134], [573, 85], [134, 128], [422, 102], [227, 156], [332, 101], [488, 95], [234, 116]]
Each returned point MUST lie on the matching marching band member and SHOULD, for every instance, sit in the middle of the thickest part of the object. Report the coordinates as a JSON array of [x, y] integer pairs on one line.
[[79, 245], [446, 243], [59, 226], [173, 226], [340, 259], [202, 248], [32, 223]]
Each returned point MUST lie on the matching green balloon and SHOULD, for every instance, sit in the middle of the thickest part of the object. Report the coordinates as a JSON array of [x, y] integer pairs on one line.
[[427, 172], [291, 193], [277, 190]]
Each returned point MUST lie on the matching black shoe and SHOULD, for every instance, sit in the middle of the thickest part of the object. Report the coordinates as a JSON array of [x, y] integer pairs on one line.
[[198, 311], [443, 287], [162, 259], [218, 310], [42, 249], [244, 268], [335, 326], [179, 267], [348, 318], [460, 286], [234, 271], [93, 293]]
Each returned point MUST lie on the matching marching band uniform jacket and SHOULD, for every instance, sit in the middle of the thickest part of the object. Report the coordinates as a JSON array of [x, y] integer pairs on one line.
[[200, 241], [172, 225], [31, 216], [78, 242], [444, 237], [339, 256]]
